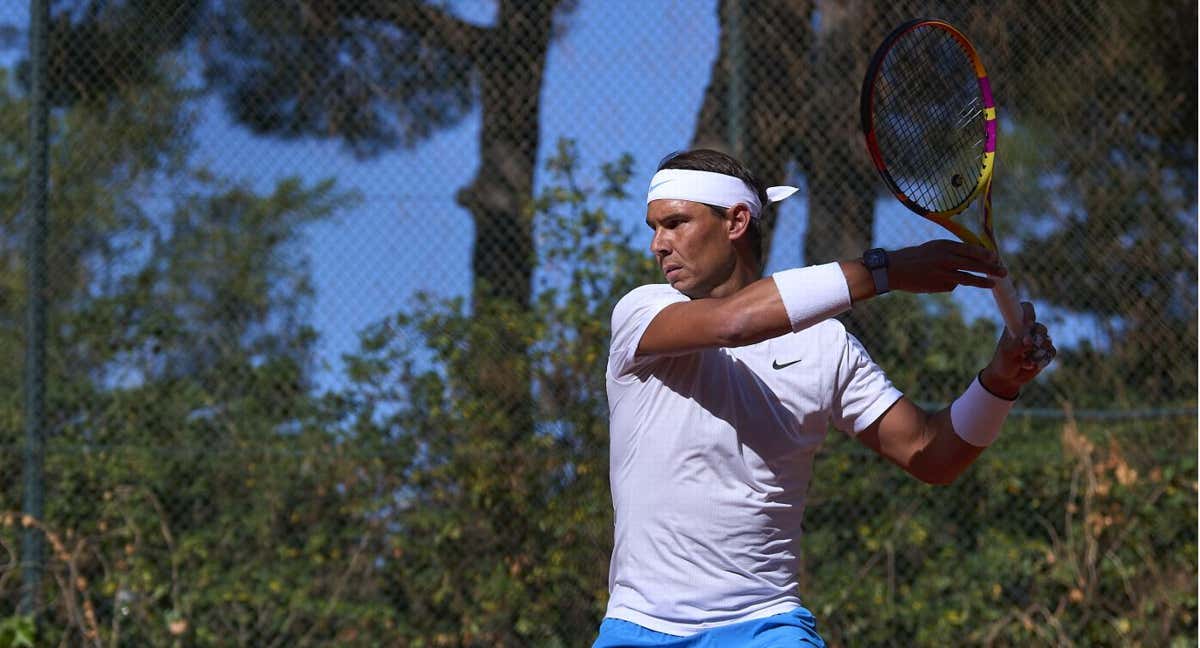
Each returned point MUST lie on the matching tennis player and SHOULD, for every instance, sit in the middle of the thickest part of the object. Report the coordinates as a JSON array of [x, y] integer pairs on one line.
[[721, 386]]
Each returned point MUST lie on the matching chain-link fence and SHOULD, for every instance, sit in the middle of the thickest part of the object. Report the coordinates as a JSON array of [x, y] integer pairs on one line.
[[326, 300]]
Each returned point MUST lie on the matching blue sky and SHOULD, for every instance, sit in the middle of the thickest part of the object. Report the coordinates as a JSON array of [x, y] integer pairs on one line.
[[627, 76]]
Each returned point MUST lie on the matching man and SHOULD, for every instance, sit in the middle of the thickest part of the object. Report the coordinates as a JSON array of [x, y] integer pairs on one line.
[[721, 387]]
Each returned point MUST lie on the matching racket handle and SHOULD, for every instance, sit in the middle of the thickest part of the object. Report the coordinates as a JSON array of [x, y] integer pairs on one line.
[[1010, 305]]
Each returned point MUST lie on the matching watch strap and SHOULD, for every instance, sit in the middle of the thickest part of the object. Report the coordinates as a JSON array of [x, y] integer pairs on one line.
[[876, 261], [880, 276]]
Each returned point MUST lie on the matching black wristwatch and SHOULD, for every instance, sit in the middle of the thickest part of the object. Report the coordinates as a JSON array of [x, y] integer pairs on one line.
[[876, 260]]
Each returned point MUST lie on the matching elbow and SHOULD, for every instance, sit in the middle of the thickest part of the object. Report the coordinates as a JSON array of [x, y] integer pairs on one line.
[[938, 480], [734, 328], [940, 476], [729, 336], [936, 474]]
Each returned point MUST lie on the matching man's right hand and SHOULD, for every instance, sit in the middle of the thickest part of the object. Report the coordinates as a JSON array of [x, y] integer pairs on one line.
[[936, 266], [942, 266]]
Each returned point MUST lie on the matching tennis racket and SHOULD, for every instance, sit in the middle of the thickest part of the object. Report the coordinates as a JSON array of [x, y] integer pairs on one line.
[[930, 125]]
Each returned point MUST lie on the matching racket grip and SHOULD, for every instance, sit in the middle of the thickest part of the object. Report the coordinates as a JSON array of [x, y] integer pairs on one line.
[[1010, 305]]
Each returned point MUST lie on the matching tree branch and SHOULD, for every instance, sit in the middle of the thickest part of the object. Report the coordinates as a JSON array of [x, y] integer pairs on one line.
[[446, 31]]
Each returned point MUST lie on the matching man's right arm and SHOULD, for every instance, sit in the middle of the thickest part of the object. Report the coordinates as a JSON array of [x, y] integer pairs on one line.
[[750, 315], [764, 310]]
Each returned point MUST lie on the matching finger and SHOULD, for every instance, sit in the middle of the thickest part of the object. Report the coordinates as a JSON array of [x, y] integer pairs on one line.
[[967, 279], [971, 251], [1049, 349], [963, 251], [1037, 335], [973, 258], [1044, 353], [1030, 340], [1046, 360], [1039, 338], [1037, 341], [1030, 314]]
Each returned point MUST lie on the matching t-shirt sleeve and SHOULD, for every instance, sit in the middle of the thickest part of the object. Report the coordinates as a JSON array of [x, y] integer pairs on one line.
[[632, 314], [863, 392]]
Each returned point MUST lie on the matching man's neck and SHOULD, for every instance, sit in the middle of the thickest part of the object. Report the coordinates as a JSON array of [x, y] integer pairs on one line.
[[744, 273]]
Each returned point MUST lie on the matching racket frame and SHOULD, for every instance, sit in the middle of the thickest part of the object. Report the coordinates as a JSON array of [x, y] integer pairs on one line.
[[1004, 293]]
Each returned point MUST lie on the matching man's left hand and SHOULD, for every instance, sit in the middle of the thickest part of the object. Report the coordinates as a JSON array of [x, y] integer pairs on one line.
[[1018, 361]]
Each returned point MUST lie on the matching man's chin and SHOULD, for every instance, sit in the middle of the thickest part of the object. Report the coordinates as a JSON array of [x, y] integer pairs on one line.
[[685, 287]]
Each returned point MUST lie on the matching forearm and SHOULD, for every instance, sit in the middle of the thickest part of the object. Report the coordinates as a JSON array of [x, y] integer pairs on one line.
[[790, 300], [922, 444], [936, 448], [813, 294], [858, 280], [944, 455]]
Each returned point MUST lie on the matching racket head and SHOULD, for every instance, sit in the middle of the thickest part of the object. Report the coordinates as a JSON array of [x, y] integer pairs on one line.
[[929, 120]]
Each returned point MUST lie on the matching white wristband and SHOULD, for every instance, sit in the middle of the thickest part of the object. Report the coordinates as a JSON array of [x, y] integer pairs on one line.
[[977, 415], [813, 294]]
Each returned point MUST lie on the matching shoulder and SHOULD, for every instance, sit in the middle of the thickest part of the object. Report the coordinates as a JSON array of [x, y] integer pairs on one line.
[[631, 317], [656, 296], [651, 292]]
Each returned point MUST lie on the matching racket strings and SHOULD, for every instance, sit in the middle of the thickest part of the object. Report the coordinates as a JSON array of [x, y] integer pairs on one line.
[[929, 119], [922, 130], [929, 99]]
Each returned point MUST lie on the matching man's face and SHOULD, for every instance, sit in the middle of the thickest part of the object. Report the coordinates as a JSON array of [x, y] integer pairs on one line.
[[691, 244]]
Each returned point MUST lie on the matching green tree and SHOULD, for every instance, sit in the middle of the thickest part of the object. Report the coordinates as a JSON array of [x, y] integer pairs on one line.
[[1103, 178], [1064, 533], [1096, 183], [503, 529], [433, 68], [180, 356], [798, 65]]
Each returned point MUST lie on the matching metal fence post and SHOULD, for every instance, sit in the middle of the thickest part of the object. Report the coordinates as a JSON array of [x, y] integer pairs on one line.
[[736, 96], [32, 544]]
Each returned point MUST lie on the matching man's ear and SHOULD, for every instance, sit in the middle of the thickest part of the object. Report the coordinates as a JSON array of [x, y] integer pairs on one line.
[[737, 219]]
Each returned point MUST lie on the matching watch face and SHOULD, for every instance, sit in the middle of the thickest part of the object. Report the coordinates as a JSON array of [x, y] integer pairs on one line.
[[874, 258]]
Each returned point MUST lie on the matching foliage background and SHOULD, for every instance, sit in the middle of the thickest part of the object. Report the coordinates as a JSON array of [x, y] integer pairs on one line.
[[217, 473]]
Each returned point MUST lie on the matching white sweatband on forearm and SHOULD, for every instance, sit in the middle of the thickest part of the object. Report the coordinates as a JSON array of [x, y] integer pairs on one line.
[[813, 294], [977, 415]]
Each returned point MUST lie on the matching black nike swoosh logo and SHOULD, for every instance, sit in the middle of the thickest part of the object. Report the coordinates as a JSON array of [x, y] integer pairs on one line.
[[775, 364]]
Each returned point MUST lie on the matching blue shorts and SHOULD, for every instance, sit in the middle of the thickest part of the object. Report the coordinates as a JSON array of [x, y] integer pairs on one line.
[[793, 629]]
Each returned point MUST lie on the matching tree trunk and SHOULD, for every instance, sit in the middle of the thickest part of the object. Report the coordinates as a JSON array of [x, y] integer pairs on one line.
[[499, 380], [510, 67], [771, 71], [801, 107], [842, 181], [510, 78]]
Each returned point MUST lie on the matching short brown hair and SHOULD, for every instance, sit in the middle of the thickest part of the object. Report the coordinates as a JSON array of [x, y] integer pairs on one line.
[[718, 162]]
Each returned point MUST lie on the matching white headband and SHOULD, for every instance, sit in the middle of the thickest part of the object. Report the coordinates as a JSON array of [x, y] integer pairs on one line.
[[711, 189]]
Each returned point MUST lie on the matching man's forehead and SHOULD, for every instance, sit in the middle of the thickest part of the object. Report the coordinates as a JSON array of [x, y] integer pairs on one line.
[[666, 206]]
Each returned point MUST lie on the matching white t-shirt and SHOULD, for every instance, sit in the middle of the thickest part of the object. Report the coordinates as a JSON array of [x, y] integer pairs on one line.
[[711, 454]]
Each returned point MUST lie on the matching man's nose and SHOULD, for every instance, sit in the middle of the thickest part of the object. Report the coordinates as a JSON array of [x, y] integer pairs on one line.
[[659, 244]]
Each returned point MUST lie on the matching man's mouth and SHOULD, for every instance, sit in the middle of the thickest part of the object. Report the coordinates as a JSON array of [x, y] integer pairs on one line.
[[671, 267]]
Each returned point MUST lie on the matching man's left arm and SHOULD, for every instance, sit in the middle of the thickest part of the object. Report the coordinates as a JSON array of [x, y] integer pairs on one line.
[[937, 447]]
